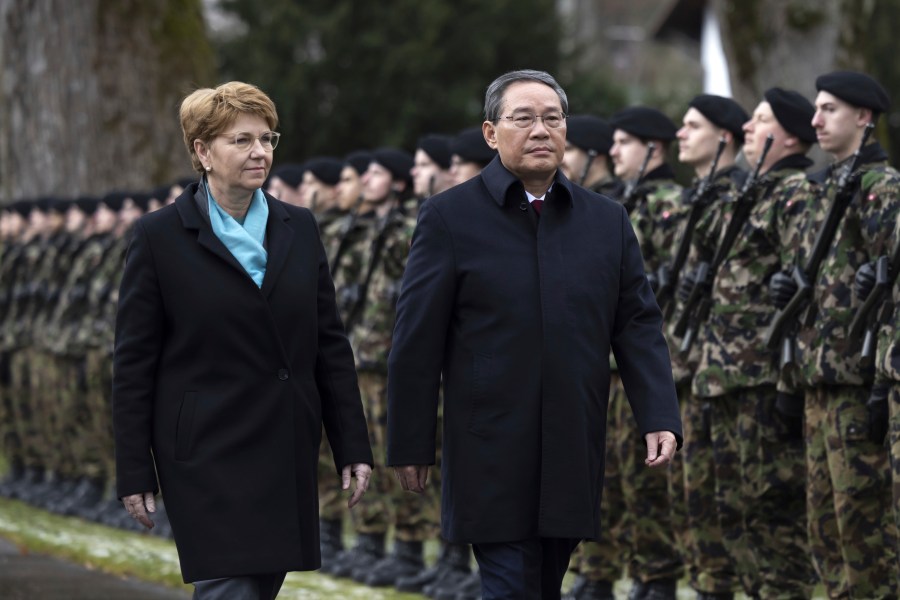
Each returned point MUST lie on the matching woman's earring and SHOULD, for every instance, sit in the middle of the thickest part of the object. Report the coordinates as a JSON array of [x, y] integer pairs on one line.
[[208, 169]]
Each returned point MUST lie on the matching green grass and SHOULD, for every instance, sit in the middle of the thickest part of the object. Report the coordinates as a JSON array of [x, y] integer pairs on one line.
[[144, 556], [155, 560]]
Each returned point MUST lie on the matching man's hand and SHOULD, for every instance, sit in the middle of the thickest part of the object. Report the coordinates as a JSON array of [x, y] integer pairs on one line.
[[138, 505], [412, 478], [362, 472], [660, 448]]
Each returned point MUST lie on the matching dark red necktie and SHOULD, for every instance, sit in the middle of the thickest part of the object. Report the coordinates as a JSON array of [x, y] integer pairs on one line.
[[538, 205]]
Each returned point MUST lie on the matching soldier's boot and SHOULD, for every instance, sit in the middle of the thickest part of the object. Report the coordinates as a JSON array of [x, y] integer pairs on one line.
[[15, 475], [87, 493], [452, 562], [406, 560], [715, 596], [451, 578], [368, 550], [330, 542], [596, 590], [657, 589], [32, 478]]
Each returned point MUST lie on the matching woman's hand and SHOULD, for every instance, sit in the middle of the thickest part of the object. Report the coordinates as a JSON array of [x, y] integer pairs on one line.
[[363, 473], [138, 505]]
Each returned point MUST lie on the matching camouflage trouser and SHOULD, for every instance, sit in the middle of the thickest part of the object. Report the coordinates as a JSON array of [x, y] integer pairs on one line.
[[605, 559], [684, 543], [760, 495], [645, 491], [33, 453], [852, 534], [10, 444], [711, 567], [331, 500], [894, 441], [97, 448], [372, 514], [413, 515]]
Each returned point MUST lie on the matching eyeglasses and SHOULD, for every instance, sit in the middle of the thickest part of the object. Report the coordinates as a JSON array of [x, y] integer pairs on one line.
[[552, 120], [243, 141]]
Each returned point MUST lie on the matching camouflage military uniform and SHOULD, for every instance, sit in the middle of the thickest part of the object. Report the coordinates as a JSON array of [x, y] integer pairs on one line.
[[350, 249], [852, 534], [759, 474], [655, 212], [711, 567], [9, 435], [414, 516], [331, 504], [17, 336], [74, 338], [888, 372]]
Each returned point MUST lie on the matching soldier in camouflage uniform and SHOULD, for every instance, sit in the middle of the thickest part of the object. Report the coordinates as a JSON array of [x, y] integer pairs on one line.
[[599, 563], [285, 183], [469, 154], [385, 183], [319, 188], [335, 231], [708, 118], [586, 161], [13, 230], [653, 200], [759, 462], [853, 537]]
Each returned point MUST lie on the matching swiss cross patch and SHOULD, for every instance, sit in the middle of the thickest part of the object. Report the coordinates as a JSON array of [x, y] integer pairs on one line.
[[872, 197]]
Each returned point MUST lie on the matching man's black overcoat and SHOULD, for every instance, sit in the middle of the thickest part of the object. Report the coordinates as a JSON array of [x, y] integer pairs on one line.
[[517, 315], [228, 385]]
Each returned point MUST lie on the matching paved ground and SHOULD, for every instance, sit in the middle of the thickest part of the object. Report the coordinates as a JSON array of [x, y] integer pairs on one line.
[[34, 577]]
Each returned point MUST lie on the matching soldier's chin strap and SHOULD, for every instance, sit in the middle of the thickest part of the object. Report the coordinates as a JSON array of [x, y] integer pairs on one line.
[[591, 155]]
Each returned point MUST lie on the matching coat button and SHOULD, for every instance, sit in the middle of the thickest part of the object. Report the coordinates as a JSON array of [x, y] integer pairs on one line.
[[283, 374]]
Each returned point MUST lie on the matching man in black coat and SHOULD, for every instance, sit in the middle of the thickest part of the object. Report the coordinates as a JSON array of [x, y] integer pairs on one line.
[[518, 285]]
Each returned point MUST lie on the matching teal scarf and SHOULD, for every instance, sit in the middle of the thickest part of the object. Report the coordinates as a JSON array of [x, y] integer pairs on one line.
[[244, 241]]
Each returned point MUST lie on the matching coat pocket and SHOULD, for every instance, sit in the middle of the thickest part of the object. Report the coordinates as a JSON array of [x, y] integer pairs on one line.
[[185, 426]]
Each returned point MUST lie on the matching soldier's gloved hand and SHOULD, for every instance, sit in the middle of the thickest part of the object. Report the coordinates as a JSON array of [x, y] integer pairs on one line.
[[782, 288], [686, 285], [865, 281], [789, 412], [877, 409]]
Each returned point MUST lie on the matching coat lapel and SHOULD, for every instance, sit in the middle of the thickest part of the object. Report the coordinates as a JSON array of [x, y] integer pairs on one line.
[[192, 219], [280, 237]]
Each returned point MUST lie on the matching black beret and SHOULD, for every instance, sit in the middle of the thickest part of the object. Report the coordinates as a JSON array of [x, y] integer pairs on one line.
[[589, 133], [325, 168], [290, 173], [397, 161], [856, 88], [142, 200], [793, 112], [23, 207], [722, 112], [48, 204], [470, 146], [87, 204], [359, 160], [644, 122], [437, 147], [115, 199]]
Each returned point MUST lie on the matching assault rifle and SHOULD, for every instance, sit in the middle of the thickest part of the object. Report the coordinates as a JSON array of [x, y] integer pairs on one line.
[[877, 307], [632, 187], [699, 304], [700, 199], [805, 276]]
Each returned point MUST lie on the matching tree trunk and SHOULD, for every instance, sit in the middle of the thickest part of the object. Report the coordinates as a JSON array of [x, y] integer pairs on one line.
[[89, 93]]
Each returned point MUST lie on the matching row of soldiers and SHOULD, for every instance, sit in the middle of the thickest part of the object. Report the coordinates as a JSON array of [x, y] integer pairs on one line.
[[769, 279]]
